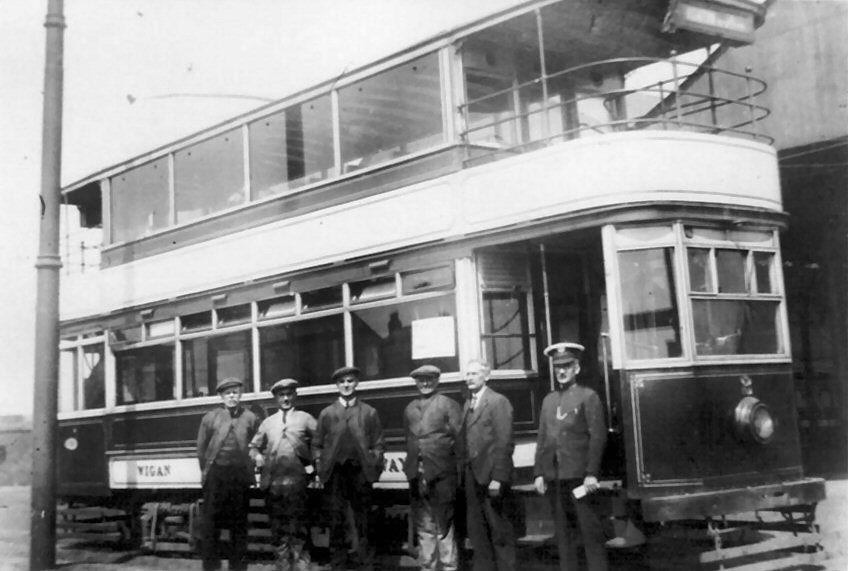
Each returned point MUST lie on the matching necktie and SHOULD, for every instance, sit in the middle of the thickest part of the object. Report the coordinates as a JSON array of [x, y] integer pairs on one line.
[[473, 402]]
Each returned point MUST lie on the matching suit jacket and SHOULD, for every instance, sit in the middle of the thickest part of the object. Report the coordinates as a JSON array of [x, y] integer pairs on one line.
[[485, 441], [285, 445], [572, 434], [214, 428], [432, 424], [364, 424]]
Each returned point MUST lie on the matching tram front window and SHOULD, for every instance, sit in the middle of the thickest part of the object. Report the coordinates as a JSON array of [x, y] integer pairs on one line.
[[649, 304], [308, 350]]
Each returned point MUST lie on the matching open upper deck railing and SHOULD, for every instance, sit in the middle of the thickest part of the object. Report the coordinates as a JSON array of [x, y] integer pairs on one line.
[[657, 95]]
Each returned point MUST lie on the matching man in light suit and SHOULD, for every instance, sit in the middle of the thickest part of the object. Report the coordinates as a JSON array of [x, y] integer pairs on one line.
[[485, 451], [348, 451]]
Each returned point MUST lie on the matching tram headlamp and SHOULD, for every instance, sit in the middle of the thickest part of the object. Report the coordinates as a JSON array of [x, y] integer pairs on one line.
[[754, 420]]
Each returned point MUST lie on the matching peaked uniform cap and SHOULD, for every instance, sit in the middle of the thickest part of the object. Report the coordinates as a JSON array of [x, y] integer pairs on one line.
[[227, 383], [283, 384], [563, 353], [426, 371], [341, 372]]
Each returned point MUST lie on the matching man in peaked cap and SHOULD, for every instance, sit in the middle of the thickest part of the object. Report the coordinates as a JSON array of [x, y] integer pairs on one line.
[[570, 443], [431, 423], [348, 453], [281, 448], [227, 474]]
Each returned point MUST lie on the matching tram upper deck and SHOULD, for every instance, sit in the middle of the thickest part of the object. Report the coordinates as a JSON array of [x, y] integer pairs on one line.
[[521, 116]]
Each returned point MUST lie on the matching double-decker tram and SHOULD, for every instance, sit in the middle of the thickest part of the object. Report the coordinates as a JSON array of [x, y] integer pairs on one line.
[[558, 171]]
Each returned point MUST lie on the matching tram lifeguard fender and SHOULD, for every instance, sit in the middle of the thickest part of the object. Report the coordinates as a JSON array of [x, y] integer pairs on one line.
[[711, 503]]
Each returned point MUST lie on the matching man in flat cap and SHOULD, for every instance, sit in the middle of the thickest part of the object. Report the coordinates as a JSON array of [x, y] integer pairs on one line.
[[227, 474], [570, 443], [282, 450], [348, 452], [431, 423]]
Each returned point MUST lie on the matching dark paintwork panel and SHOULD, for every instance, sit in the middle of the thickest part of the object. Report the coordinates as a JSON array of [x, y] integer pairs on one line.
[[688, 431], [82, 470]]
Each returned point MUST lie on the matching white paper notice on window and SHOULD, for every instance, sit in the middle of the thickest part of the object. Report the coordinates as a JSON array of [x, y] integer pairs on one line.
[[433, 337]]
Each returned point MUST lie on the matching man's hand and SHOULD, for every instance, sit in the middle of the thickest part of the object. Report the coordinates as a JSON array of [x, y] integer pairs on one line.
[[591, 484], [540, 485], [494, 488]]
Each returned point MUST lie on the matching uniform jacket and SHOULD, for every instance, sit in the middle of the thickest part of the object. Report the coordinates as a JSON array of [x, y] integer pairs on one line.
[[432, 425], [485, 441], [213, 430], [285, 445], [364, 424], [571, 440]]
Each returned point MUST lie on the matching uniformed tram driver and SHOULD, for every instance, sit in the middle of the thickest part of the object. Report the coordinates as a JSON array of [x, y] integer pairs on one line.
[[569, 446]]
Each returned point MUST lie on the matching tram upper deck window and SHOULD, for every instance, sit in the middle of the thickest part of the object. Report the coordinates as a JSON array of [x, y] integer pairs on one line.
[[145, 374], [391, 114], [209, 176], [418, 281], [735, 302], [495, 61], [370, 290], [291, 148], [140, 201]]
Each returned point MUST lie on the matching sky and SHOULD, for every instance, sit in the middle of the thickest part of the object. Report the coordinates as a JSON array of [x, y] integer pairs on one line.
[[141, 73]]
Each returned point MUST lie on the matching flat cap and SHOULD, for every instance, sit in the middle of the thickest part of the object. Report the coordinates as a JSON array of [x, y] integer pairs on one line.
[[342, 371], [563, 353], [283, 384], [227, 383], [426, 371]]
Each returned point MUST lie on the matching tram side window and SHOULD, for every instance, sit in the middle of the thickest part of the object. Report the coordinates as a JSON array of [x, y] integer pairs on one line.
[[308, 350], [145, 374], [391, 340], [649, 304], [391, 114], [140, 201], [495, 61], [82, 378], [209, 360], [209, 176]]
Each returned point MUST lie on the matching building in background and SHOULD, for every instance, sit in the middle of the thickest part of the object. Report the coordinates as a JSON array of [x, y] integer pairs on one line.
[[15, 450], [802, 54]]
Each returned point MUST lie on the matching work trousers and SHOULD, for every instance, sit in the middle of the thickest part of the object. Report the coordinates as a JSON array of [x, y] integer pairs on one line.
[[226, 500], [575, 518], [432, 505], [348, 488], [489, 525], [289, 526]]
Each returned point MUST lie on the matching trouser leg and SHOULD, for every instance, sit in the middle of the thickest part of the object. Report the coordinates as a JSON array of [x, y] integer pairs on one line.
[[559, 494], [207, 545], [428, 547], [500, 526], [477, 524], [239, 506], [594, 539]]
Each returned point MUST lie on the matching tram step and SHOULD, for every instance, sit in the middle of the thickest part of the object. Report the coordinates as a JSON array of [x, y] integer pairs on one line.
[[111, 536], [104, 526], [775, 544], [790, 561]]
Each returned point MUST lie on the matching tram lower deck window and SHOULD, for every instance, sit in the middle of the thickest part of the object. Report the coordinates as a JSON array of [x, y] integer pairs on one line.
[[145, 374]]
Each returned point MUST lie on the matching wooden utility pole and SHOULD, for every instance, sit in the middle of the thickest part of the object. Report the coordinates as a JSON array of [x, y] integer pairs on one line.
[[42, 553]]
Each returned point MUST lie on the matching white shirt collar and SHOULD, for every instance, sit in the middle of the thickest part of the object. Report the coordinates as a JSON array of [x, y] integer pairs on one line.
[[347, 403]]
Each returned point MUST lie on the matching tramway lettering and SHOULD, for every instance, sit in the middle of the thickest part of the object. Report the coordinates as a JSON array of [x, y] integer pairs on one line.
[[154, 470]]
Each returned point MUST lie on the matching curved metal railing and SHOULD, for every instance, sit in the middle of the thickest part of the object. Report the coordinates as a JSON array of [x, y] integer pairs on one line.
[[685, 96]]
